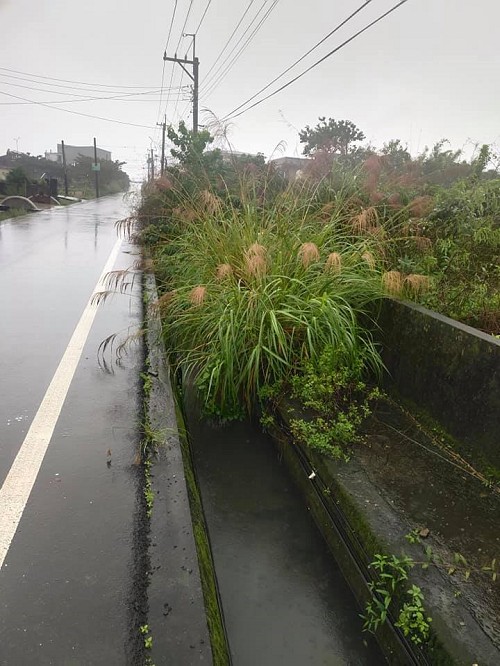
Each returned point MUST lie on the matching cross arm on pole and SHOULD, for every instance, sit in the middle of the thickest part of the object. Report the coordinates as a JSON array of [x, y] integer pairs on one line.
[[179, 60]]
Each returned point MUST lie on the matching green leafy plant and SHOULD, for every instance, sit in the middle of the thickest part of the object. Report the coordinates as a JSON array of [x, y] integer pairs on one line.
[[412, 619], [148, 639], [413, 536], [391, 572], [338, 401], [391, 580]]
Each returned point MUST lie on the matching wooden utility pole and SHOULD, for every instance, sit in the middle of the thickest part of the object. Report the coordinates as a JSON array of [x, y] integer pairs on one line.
[[96, 170], [195, 64], [163, 126], [64, 167]]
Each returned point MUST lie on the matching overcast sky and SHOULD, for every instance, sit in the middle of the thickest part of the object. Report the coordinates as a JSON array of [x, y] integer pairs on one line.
[[428, 71]]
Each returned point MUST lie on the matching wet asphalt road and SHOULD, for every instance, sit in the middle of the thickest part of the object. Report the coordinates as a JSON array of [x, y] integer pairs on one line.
[[70, 587]]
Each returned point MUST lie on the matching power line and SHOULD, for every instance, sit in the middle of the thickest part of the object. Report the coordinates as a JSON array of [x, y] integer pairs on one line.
[[163, 65], [209, 80], [171, 25], [203, 16], [49, 87], [173, 64], [116, 98], [318, 62], [182, 73], [78, 113], [82, 83], [241, 51], [231, 37], [317, 45], [184, 26], [170, 86], [119, 95]]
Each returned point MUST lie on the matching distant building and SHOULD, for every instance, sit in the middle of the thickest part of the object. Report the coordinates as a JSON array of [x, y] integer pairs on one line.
[[72, 153], [229, 155], [290, 167], [4, 171], [8, 162]]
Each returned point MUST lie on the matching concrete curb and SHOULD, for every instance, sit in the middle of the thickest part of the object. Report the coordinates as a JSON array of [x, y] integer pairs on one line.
[[177, 618], [357, 521]]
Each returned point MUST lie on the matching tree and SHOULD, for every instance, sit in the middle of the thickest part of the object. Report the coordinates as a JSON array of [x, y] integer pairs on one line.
[[397, 155], [15, 181], [111, 177], [335, 137], [190, 148]]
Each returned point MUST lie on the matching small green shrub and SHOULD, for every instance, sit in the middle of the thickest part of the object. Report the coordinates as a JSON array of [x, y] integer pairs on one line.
[[338, 399], [412, 618], [391, 576]]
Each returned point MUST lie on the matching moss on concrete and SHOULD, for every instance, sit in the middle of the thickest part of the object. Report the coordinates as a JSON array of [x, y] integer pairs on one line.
[[450, 370], [215, 621], [338, 490]]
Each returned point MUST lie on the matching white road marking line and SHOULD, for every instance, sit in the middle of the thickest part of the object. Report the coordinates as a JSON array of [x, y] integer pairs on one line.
[[22, 475]]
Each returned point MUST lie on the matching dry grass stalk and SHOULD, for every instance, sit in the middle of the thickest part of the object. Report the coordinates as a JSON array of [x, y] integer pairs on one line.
[[163, 302], [256, 265], [369, 259], [223, 271], [256, 260], [421, 206], [377, 231], [394, 201], [365, 221], [326, 212], [376, 197], [256, 250], [333, 263], [393, 282], [144, 264], [308, 253], [417, 283], [423, 243], [163, 184], [198, 295], [210, 202], [185, 213]]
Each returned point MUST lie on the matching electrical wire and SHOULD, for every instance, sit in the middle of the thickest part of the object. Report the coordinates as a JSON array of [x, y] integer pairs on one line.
[[299, 60], [182, 77], [170, 87], [184, 26], [49, 87], [164, 61], [116, 98], [82, 83], [241, 51], [203, 17], [232, 114], [210, 80], [78, 113], [122, 96], [171, 25], [230, 38], [173, 64]]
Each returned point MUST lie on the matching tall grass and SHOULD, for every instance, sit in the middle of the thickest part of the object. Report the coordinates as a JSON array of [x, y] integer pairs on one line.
[[251, 293]]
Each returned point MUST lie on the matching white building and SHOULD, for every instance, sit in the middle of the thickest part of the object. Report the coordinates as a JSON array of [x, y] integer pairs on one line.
[[72, 153]]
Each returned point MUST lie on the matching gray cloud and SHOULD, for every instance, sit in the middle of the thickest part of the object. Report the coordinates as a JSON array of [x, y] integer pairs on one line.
[[428, 71]]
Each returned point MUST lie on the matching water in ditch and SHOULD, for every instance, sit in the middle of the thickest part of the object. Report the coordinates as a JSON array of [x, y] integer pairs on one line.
[[284, 598]]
